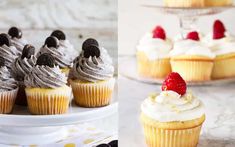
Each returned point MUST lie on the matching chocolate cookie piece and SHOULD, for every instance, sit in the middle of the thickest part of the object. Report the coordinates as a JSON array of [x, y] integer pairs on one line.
[[89, 42], [15, 32], [52, 42], [28, 51], [103, 145], [58, 34], [113, 143], [92, 51], [5, 39], [46, 59], [2, 62]]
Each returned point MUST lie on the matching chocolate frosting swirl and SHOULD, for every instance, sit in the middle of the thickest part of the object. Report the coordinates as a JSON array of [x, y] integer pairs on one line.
[[93, 69], [45, 77], [7, 82], [9, 54], [62, 59], [22, 67], [19, 43]]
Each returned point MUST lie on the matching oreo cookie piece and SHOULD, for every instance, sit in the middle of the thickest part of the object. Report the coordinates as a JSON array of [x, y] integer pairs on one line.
[[2, 62], [46, 59], [52, 42], [28, 51], [15, 32], [89, 42], [58, 34], [103, 145], [92, 51], [5, 39], [113, 143]]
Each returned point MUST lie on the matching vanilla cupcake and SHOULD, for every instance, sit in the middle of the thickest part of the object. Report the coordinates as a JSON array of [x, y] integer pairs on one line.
[[184, 3], [7, 50], [8, 89], [16, 38], [192, 59], [91, 77], [173, 117], [153, 59], [62, 58], [46, 89], [21, 67], [223, 45], [211, 3]]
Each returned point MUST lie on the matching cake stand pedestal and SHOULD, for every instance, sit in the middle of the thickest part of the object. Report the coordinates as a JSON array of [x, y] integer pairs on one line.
[[187, 16]]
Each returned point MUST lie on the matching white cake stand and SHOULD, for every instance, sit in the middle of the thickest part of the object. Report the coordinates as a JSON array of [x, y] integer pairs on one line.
[[187, 16], [22, 128]]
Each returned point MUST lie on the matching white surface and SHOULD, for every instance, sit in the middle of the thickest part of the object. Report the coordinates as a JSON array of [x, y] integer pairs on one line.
[[134, 21], [217, 131], [131, 73]]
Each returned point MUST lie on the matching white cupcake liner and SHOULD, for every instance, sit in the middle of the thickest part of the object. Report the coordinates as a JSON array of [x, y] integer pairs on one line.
[[7, 101]]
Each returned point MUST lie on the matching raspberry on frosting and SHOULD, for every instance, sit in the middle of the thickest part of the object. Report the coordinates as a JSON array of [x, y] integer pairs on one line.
[[218, 30], [175, 83], [159, 32], [193, 36]]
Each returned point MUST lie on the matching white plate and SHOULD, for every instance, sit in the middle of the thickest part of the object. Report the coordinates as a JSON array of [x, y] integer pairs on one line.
[[128, 68], [22, 118]]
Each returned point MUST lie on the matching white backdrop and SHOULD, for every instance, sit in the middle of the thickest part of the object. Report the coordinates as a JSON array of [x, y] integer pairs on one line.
[[134, 20]]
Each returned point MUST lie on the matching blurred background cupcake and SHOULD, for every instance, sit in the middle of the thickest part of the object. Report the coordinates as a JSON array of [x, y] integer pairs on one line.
[[153, 60]]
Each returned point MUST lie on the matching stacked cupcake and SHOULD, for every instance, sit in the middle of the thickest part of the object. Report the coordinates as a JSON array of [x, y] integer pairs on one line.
[[196, 58], [41, 82]]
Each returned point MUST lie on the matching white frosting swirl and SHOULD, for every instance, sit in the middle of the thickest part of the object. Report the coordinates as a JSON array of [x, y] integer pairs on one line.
[[169, 106], [220, 46], [19, 43], [69, 49], [154, 48], [191, 47]]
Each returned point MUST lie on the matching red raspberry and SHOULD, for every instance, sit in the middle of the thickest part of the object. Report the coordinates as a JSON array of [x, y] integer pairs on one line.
[[193, 36], [159, 32], [175, 83], [218, 30]]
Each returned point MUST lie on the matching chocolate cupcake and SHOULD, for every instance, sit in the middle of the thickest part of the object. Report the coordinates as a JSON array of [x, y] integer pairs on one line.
[[62, 59], [8, 89], [16, 38], [46, 89], [91, 77], [7, 50], [21, 67], [65, 43]]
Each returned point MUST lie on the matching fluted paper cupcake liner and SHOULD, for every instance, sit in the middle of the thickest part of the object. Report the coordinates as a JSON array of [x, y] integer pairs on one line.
[[184, 3], [218, 2], [93, 94], [156, 136], [48, 101], [193, 71], [158, 68], [7, 101], [224, 67]]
